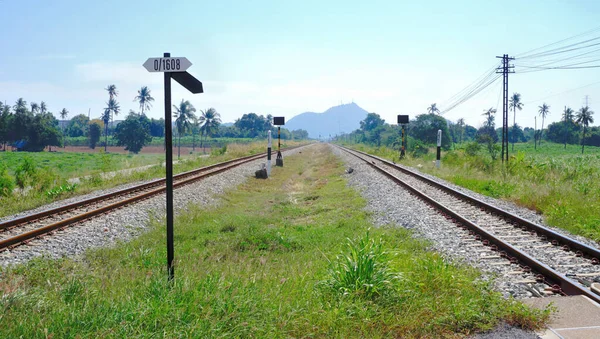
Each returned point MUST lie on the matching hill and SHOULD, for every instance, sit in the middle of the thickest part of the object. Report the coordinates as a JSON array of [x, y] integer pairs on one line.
[[336, 120]]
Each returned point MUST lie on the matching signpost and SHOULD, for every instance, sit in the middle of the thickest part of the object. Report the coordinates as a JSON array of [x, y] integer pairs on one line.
[[439, 148], [403, 121], [172, 68], [279, 121]]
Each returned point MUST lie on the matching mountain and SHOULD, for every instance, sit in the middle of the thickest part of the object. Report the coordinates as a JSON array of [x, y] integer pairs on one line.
[[336, 120]]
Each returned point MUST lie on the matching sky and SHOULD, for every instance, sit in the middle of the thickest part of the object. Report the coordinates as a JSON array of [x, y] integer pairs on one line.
[[288, 57]]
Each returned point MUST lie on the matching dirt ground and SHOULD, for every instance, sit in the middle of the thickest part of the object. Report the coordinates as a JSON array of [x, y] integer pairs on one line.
[[118, 149]]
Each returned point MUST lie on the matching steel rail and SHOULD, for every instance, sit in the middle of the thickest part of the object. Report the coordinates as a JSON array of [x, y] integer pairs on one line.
[[572, 244], [195, 176], [567, 285]]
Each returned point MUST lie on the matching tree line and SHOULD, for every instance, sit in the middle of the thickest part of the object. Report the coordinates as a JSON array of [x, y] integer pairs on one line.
[[574, 128], [32, 127]]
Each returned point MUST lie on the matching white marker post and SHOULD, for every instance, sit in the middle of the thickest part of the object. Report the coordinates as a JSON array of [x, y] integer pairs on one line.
[[439, 148], [269, 153]]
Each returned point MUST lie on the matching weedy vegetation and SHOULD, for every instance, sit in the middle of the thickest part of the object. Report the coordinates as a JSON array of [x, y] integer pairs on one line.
[[291, 256]]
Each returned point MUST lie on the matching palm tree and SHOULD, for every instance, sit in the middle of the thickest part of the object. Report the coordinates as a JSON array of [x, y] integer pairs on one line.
[[63, 114], [20, 106], [34, 107], [112, 107], [584, 118], [184, 114], [433, 109], [489, 113], [515, 104], [544, 110], [211, 119], [144, 98], [43, 107], [112, 93], [568, 115]]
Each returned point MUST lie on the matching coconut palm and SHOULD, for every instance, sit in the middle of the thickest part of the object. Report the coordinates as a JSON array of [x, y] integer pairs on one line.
[[184, 114], [584, 118], [433, 109], [490, 115], [34, 107], [544, 110], [144, 98], [211, 120], [20, 106], [43, 107], [112, 107], [196, 127], [112, 91], [63, 115], [568, 115], [515, 104]]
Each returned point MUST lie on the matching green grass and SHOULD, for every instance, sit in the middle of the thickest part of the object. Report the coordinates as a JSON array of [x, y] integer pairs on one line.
[[71, 164], [47, 179], [259, 265], [561, 184]]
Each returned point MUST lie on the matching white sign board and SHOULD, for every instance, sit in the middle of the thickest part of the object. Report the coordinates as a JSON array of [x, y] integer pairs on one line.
[[167, 64], [439, 138]]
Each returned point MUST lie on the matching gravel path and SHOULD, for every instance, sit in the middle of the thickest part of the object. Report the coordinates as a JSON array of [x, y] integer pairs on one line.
[[127, 222]]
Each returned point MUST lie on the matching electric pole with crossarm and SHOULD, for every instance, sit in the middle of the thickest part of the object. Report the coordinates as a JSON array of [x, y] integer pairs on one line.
[[505, 69]]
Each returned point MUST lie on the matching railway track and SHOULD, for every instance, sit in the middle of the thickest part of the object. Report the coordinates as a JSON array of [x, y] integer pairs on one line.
[[21, 230], [547, 262]]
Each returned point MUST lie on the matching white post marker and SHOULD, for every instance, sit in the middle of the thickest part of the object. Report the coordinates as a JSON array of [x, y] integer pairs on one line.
[[269, 153], [439, 148]]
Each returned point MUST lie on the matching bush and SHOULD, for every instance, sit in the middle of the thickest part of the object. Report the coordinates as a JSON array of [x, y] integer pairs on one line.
[[219, 151], [7, 183], [362, 269], [25, 172], [418, 149], [472, 148]]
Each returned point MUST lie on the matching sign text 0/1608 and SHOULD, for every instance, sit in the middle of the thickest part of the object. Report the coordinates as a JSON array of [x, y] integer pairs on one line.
[[167, 64]]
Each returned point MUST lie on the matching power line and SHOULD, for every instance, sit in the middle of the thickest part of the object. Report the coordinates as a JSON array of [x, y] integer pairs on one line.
[[560, 93], [558, 42]]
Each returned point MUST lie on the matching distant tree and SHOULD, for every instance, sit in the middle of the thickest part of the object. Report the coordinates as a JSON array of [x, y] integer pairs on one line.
[[144, 98], [77, 126], [157, 127], [251, 125], [184, 113], [20, 106], [300, 134], [433, 109], [94, 134], [515, 104], [112, 94], [133, 133], [43, 107], [490, 115], [63, 115], [460, 123], [568, 116], [5, 122], [43, 131], [112, 108], [544, 110], [196, 124], [425, 126], [584, 118], [34, 107], [210, 120], [372, 121]]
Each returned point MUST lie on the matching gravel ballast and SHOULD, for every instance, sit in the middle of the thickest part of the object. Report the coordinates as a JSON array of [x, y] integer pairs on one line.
[[127, 222]]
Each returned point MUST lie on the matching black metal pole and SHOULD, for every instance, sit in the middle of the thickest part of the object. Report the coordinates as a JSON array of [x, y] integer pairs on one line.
[[278, 138], [402, 148], [169, 174]]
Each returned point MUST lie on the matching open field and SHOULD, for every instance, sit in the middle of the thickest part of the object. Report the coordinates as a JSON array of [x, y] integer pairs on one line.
[[268, 262], [44, 180], [563, 185]]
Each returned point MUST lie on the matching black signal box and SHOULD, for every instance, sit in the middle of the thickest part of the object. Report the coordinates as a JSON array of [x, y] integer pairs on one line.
[[278, 121], [403, 119]]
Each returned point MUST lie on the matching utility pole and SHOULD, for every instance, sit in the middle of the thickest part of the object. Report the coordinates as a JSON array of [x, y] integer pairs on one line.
[[505, 69]]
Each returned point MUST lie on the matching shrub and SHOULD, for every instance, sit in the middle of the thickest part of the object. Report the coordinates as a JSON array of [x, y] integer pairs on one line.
[[7, 183], [219, 151], [472, 148], [25, 172], [418, 149], [361, 269]]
